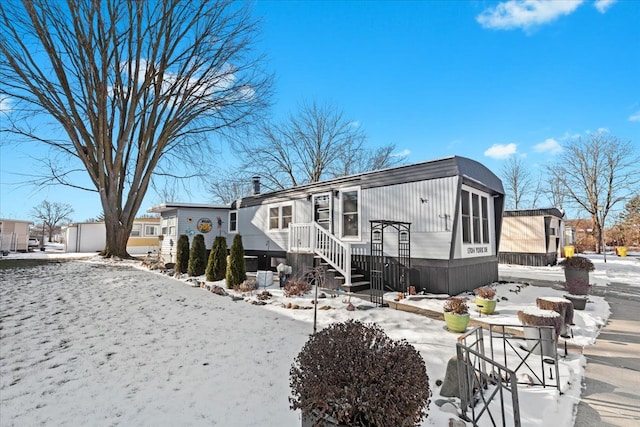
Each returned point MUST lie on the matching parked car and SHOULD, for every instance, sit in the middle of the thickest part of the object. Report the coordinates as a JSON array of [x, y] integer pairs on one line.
[[33, 243]]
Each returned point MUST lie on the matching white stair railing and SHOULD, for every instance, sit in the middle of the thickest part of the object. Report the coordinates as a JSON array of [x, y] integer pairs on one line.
[[314, 238]]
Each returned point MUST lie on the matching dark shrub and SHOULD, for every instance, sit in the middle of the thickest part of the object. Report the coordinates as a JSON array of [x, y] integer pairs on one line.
[[296, 288], [456, 305], [236, 269], [217, 265], [197, 256], [356, 375], [577, 263], [485, 292], [182, 254]]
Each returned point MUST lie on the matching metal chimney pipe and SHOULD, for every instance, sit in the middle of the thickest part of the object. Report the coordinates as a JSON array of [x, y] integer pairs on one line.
[[256, 185]]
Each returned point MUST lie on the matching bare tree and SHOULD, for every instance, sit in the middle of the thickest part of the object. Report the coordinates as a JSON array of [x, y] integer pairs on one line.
[[226, 189], [359, 159], [554, 189], [137, 87], [303, 148], [517, 179], [52, 214], [600, 171]]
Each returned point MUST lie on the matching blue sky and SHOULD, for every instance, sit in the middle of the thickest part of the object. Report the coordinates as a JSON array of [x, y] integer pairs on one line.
[[481, 79]]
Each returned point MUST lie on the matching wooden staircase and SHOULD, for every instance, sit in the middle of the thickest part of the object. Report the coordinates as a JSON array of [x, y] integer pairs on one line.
[[333, 279]]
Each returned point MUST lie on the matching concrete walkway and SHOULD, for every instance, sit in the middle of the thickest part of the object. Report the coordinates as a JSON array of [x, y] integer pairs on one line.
[[611, 389], [611, 393]]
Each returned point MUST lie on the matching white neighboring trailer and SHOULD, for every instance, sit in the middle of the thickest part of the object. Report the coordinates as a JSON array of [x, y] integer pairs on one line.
[[14, 235], [92, 236]]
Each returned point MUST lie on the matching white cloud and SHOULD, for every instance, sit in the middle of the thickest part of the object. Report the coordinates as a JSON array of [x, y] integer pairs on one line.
[[525, 13], [5, 105], [603, 5], [501, 151], [403, 153], [635, 117], [549, 146]]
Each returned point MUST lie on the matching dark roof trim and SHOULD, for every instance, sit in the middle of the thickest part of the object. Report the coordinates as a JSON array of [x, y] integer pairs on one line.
[[535, 212], [474, 173]]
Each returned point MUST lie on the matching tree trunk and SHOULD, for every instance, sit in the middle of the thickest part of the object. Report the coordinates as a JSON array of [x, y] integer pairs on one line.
[[117, 236]]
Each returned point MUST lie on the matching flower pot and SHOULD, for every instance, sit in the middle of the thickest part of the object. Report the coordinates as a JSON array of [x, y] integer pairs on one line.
[[532, 319], [573, 274], [547, 346], [579, 302], [486, 306], [456, 322]]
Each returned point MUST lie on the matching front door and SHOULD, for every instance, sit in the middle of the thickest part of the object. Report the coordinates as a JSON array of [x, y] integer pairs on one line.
[[322, 211]]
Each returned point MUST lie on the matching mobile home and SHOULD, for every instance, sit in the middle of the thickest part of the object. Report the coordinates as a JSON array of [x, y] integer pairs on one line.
[[532, 237], [92, 236], [432, 226], [14, 235]]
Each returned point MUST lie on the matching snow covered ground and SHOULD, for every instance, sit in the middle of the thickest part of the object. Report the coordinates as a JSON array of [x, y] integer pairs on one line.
[[100, 342]]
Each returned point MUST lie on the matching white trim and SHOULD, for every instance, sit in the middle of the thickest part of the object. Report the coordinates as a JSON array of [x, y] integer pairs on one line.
[[229, 230], [279, 207], [358, 191], [473, 248], [329, 196]]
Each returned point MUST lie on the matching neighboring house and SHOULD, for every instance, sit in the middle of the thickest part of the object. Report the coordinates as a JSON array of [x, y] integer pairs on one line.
[[189, 219], [532, 237], [433, 225], [14, 235], [91, 236], [583, 235]]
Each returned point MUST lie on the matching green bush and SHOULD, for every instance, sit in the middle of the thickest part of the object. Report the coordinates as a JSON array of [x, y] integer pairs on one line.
[[217, 265], [182, 254], [197, 256], [236, 269], [354, 374]]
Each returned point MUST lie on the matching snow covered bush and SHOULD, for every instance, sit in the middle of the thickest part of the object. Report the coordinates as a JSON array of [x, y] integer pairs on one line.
[[248, 285], [353, 374], [296, 288]]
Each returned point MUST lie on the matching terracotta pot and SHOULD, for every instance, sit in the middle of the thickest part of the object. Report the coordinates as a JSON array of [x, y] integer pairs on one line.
[[456, 322], [486, 306]]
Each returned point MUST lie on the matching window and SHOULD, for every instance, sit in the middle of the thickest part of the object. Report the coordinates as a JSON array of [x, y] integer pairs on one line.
[[475, 218], [475, 204], [233, 222], [322, 211], [150, 230], [136, 230], [466, 219], [169, 226], [350, 221], [485, 220], [287, 216], [280, 217], [273, 218]]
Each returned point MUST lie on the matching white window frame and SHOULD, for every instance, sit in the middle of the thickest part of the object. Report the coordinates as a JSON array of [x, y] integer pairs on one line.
[[358, 212], [152, 234], [479, 244], [168, 226], [136, 230], [234, 229], [280, 217]]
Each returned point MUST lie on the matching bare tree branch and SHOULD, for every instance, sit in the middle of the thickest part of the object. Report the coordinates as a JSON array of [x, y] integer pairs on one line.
[[137, 86]]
